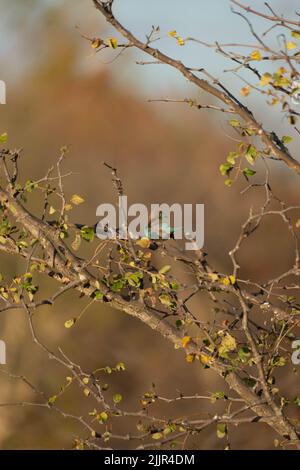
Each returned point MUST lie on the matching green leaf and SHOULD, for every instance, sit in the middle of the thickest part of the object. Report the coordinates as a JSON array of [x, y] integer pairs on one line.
[[249, 382], [117, 398], [97, 295], [165, 269], [169, 429], [3, 138], [63, 234], [225, 169], [278, 361], [87, 233], [248, 172], [221, 430], [30, 186], [52, 399], [102, 417], [157, 435], [297, 400], [217, 396], [244, 354], [251, 154], [234, 123], [231, 157], [134, 279], [117, 284], [174, 285], [286, 139]]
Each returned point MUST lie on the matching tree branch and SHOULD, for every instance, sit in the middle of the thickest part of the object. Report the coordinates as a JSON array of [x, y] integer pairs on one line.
[[271, 141]]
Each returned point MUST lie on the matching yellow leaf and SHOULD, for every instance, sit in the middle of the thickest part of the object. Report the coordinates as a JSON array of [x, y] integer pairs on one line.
[[185, 341], [245, 91], [213, 276], [52, 399], [68, 207], [276, 443], [52, 210], [281, 81], [85, 380], [226, 281], [165, 269], [86, 392], [165, 300], [204, 359], [17, 298], [76, 242], [172, 34], [70, 323], [281, 71], [180, 41], [256, 55], [113, 43], [78, 445], [157, 435], [96, 43], [102, 417], [232, 279], [290, 45], [190, 358], [144, 242], [77, 200], [266, 79], [12, 208], [228, 344]]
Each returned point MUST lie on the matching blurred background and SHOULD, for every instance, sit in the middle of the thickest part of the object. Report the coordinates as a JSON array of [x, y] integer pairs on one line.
[[61, 92]]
